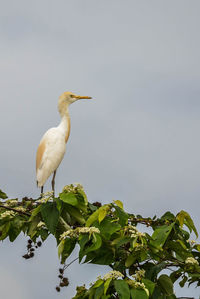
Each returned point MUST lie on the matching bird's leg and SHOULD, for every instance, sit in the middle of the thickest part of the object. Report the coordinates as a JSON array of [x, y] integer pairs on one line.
[[53, 182], [42, 190]]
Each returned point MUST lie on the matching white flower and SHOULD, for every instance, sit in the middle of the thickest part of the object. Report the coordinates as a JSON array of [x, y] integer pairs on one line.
[[20, 209], [139, 274], [74, 233], [141, 234], [134, 231], [191, 260], [113, 274], [46, 197], [89, 230], [8, 214], [78, 185], [73, 188], [41, 224], [11, 202]]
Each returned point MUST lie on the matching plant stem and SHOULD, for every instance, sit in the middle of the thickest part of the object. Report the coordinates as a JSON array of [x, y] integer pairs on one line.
[[15, 210]]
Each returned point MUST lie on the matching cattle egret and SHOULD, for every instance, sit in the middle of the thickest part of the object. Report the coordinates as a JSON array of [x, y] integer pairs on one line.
[[52, 146]]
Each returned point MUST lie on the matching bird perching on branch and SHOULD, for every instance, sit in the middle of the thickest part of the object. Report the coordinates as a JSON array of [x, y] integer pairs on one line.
[[52, 146]]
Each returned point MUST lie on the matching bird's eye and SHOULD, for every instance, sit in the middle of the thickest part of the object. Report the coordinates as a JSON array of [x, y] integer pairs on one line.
[[71, 95]]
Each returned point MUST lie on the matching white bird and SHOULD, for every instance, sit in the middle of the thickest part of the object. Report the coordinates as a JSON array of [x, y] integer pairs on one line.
[[52, 146]]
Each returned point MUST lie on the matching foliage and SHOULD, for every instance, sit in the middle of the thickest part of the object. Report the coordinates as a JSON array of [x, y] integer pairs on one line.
[[107, 235]]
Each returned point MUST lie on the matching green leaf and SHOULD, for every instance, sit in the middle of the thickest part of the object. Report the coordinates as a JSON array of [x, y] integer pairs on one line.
[[166, 284], [4, 230], [61, 247], [50, 215], [99, 292], [35, 212], [157, 294], [92, 218], [102, 256], [107, 227], [150, 285], [119, 204], [120, 241], [15, 228], [44, 234], [74, 212], [98, 283], [106, 285], [183, 281], [123, 217], [130, 260], [96, 243], [69, 198], [102, 214], [168, 216], [32, 230], [184, 217], [152, 270], [138, 294], [59, 204], [69, 245], [3, 195], [122, 289], [82, 242], [82, 200], [160, 235], [175, 275], [181, 252]]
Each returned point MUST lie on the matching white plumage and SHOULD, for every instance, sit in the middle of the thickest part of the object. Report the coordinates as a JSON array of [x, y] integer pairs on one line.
[[52, 146], [54, 140]]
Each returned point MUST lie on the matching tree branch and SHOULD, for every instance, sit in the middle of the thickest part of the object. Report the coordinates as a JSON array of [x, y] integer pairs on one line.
[[15, 210]]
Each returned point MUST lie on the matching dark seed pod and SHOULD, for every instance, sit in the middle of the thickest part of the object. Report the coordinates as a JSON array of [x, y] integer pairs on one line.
[[62, 284], [61, 271], [60, 276], [32, 249], [29, 246], [31, 254], [58, 289], [39, 243], [30, 241], [26, 256], [97, 204], [66, 281]]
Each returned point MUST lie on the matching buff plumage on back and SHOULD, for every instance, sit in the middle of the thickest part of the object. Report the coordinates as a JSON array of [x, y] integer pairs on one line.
[[68, 131], [50, 153], [39, 155]]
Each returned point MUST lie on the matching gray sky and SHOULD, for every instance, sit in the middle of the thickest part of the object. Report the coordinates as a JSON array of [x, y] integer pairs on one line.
[[137, 141]]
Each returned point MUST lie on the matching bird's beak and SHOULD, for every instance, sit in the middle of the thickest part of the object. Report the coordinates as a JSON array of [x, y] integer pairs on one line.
[[81, 97]]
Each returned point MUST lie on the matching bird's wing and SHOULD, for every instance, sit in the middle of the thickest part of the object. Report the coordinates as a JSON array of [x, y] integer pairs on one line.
[[49, 154], [40, 153]]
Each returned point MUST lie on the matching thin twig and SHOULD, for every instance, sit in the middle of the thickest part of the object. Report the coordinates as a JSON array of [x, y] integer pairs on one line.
[[67, 265], [15, 210]]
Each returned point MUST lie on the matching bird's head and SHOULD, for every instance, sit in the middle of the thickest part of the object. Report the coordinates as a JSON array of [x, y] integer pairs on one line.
[[68, 98]]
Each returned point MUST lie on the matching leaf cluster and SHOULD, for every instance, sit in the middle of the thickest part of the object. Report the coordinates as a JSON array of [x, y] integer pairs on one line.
[[107, 235]]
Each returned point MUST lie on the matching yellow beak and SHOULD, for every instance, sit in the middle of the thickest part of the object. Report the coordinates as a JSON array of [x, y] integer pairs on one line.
[[81, 97]]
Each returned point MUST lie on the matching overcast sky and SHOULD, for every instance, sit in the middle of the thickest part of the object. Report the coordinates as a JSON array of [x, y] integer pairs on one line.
[[137, 141]]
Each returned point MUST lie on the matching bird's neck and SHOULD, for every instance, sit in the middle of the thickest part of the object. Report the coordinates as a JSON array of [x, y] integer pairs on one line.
[[65, 124]]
